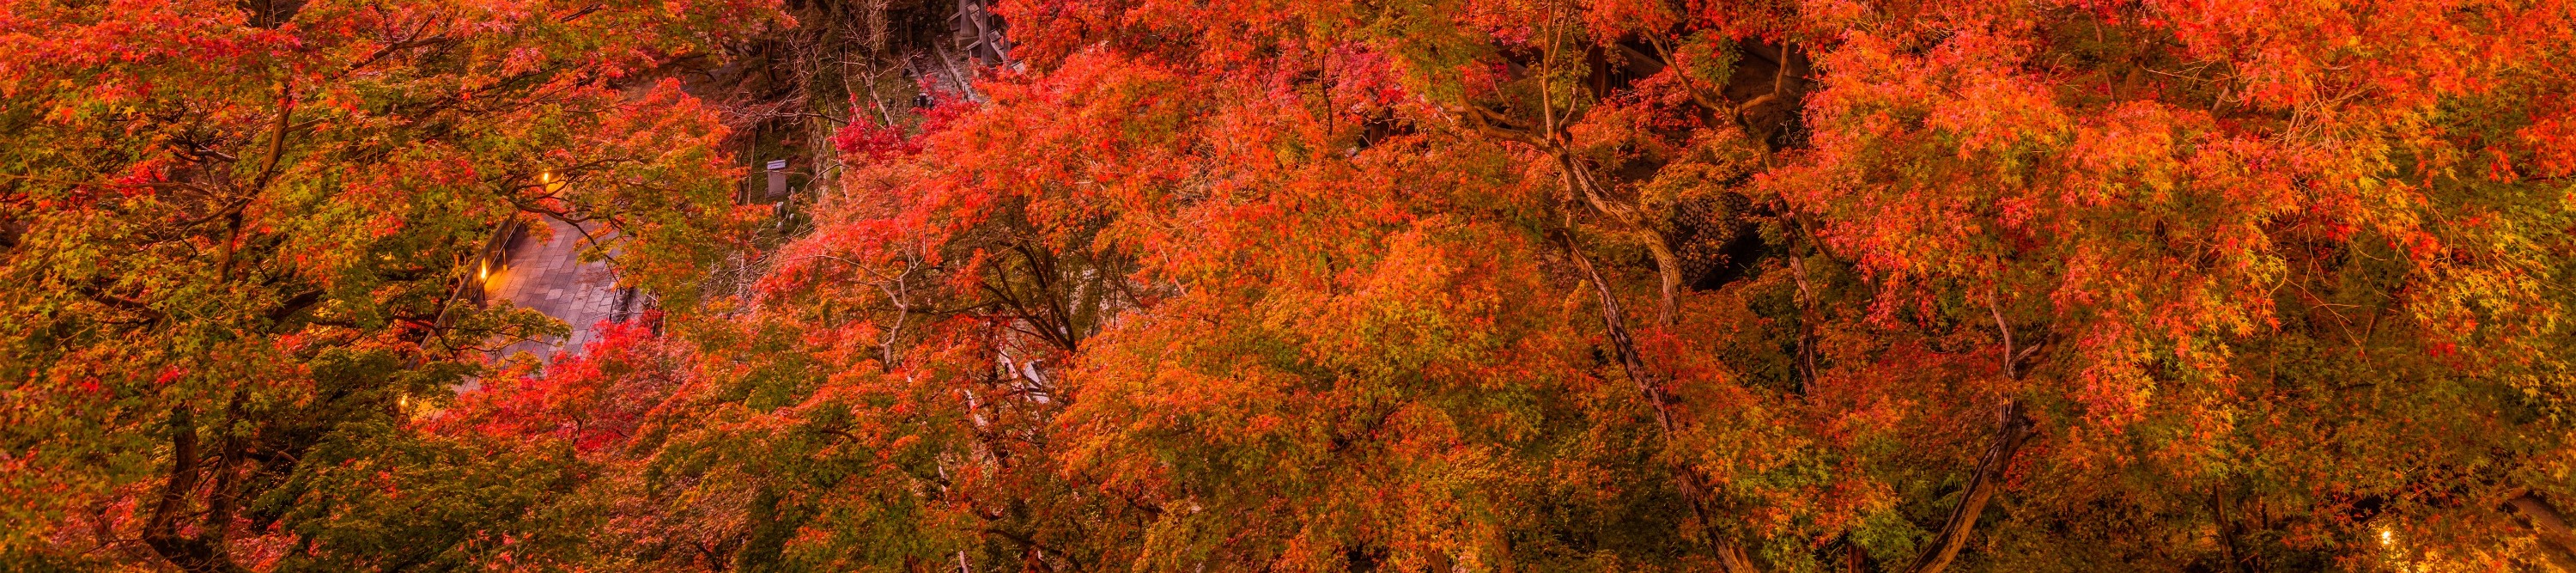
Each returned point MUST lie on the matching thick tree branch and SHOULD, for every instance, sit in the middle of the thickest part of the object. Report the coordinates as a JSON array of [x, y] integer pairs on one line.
[[277, 134], [194, 554], [2557, 542], [1730, 554], [295, 304], [2015, 428]]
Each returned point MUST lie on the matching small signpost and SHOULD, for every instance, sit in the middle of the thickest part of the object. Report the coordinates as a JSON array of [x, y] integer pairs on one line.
[[777, 179]]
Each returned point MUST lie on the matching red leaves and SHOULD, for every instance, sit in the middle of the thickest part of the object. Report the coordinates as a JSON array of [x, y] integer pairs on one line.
[[2550, 138], [865, 140], [594, 400]]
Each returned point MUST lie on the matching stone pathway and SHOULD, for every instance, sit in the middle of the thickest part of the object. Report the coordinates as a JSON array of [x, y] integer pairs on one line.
[[547, 274]]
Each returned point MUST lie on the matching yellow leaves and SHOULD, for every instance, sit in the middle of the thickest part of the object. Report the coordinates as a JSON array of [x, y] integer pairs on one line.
[[1344, 397], [1418, 307]]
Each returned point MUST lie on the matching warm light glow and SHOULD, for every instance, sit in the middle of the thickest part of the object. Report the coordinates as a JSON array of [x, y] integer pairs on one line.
[[546, 177], [485, 273], [2387, 537]]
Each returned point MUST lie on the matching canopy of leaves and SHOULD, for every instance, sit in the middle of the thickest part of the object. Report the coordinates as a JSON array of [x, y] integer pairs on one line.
[[1455, 285], [243, 243]]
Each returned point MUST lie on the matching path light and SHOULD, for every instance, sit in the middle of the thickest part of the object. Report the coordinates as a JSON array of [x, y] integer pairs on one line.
[[2387, 537]]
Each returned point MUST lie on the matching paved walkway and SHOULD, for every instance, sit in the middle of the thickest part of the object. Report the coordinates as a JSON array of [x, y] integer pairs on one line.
[[547, 274]]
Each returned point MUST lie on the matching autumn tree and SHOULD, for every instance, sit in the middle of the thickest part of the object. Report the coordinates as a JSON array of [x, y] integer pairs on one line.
[[244, 242], [1579, 285], [1619, 285]]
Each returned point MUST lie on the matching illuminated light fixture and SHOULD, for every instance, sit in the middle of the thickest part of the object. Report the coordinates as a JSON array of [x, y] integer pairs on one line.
[[2387, 537], [485, 273]]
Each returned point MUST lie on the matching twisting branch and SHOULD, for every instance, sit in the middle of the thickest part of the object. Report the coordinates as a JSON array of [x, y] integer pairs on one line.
[[1579, 180], [277, 134], [895, 291], [2014, 428], [204, 552], [1648, 382], [1731, 555]]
